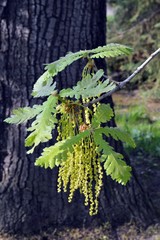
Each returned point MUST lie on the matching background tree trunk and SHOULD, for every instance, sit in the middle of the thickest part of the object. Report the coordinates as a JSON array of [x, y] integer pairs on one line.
[[34, 32]]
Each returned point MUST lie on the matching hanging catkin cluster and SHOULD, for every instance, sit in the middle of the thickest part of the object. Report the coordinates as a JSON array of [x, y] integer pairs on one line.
[[82, 169], [80, 148]]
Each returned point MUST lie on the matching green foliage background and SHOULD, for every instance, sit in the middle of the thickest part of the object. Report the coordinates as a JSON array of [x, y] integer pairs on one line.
[[145, 131], [137, 23]]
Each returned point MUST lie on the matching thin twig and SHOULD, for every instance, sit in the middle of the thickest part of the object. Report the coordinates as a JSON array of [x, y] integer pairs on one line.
[[120, 85]]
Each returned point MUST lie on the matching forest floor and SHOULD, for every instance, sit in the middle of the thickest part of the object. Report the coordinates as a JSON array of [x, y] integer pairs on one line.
[[125, 232], [148, 170]]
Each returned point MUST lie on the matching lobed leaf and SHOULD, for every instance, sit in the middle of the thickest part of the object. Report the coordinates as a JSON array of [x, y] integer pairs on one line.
[[52, 69], [117, 169], [103, 114], [54, 155], [113, 163], [90, 86], [55, 67], [43, 80], [45, 90], [118, 134], [42, 127], [22, 115], [110, 50]]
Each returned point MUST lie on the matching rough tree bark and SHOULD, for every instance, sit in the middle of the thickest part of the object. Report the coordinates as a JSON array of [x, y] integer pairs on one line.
[[34, 32]]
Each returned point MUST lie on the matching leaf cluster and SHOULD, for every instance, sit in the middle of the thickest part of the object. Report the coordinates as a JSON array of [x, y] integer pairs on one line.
[[89, 86], [44, 85], [45, 117], [42, 126], [114, 164]]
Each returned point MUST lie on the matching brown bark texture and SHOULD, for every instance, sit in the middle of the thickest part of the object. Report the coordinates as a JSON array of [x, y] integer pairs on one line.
[[34, 32]]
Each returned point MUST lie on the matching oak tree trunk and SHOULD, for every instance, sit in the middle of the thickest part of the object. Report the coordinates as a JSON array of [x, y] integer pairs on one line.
[[34, 32]]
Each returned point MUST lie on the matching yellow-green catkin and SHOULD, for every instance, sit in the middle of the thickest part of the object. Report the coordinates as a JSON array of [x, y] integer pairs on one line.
[[81, 169], [67, 121]]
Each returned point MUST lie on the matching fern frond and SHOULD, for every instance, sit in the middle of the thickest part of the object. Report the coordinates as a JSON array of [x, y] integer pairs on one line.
[[103, 114], [90, 86], [54, 155], [117, 169], [42, 127], [110, 50], [22, 115]]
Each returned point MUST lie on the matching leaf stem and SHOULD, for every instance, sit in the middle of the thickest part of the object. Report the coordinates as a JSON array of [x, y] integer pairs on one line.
[[120, 85]]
